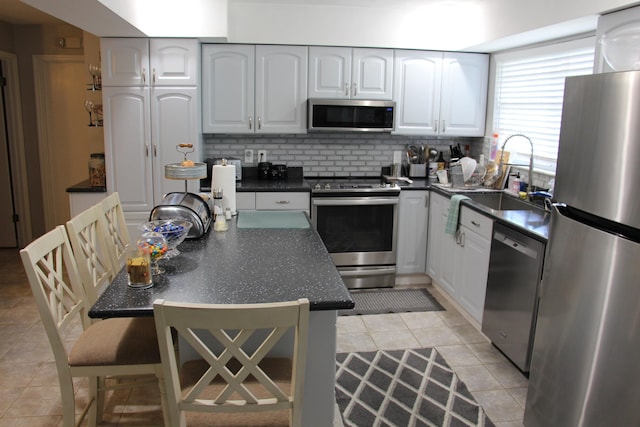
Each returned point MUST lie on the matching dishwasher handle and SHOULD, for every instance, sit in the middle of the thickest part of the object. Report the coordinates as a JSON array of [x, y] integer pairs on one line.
[[514, 244]]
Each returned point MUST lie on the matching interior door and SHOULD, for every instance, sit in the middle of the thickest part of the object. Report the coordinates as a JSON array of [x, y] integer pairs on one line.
[[8, 239]]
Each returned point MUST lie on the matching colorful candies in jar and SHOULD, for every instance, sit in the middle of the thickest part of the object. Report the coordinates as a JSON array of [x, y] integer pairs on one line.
[[154, 244]]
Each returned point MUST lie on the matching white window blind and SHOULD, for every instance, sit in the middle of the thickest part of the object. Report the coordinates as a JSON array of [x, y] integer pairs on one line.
[[528, 98]]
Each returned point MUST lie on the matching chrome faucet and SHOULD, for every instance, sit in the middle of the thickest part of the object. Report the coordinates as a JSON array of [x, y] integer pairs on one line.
[[500, 164]]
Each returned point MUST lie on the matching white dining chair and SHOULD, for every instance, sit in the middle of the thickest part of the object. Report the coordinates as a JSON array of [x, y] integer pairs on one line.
[[118, 347], [233, 384], [93, 251], [116, 230]]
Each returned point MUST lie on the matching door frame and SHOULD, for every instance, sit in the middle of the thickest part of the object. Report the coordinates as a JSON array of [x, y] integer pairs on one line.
[[44, 143], [17, 156]]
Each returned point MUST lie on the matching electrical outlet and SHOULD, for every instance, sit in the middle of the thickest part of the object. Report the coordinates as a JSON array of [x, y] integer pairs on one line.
[[262, 155], [248, 157]]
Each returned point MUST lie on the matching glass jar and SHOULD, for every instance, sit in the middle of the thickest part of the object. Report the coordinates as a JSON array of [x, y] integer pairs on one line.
[[97, 172]]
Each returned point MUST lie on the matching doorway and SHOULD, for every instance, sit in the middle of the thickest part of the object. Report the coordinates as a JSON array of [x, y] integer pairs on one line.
[[15, 217], [62, 132]]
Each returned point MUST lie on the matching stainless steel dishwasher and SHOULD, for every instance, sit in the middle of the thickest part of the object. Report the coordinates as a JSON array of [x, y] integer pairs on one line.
[[511, 303]]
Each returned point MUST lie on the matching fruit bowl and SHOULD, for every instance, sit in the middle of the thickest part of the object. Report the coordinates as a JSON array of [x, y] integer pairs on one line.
[[173, 230]]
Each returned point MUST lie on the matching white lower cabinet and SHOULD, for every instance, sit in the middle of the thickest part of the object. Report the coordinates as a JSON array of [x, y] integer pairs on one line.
[[460, 263], [273, 201], [412, 232]]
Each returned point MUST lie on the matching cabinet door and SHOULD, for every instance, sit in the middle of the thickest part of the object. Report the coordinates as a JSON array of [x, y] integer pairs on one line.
[[435, 235], [416, 90], [128, 150], [463, 102], [472, 281], [281, 89], [174, 117], [625, 23], [329, 72], [372, 75], [412, 232], [228, 88], [125, 62], [174, 62]]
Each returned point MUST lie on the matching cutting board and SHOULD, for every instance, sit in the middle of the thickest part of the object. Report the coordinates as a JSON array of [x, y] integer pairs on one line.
[[272, 219]]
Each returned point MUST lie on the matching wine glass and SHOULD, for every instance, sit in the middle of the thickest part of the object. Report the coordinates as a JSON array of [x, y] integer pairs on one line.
[[88, 105], [97, 110], [95, 72]]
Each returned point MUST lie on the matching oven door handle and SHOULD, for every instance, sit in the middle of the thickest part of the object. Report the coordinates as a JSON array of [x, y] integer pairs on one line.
[[366, 271], [351, 202]]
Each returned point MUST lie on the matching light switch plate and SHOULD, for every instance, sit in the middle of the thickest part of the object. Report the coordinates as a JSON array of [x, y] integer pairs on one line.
[[248, 157]]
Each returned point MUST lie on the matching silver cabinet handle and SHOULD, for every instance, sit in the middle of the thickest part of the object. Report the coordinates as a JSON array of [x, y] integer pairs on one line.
[[435, 126], [146, 150], [282, 202], [355, 89], [250, 122], [346, 89], [476, 224], [444, 126], [144, 76], [155, 150], [259, 122], [154, 76], [462, 239]]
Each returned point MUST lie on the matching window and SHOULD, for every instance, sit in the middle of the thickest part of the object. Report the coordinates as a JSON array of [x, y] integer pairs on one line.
[[528, 98]]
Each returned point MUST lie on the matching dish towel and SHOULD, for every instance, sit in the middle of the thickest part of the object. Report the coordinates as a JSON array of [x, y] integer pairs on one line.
[[454, 213]]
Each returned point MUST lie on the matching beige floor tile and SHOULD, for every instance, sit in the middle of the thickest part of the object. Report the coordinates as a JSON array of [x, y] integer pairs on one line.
[[435, 337], [347, 343], [477, 378], [36, 401], [394, 340], [424, 319], [469, 334], [350, 324], [458, 355], [508, 375], [7, 397], [452, 318], [499, 405], [509, 424], [47, 421], [519, 394], [487, 353], [13, 373], [384, 322]]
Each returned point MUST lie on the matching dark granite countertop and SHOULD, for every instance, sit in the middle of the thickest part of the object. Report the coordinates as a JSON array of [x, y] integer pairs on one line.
[[85, 187], [240, 265]]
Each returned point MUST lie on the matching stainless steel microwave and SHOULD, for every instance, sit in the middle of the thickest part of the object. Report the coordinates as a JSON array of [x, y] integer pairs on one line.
[[350, 115]]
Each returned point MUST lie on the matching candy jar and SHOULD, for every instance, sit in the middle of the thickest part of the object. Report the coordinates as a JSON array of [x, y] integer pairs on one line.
[[156, 246]]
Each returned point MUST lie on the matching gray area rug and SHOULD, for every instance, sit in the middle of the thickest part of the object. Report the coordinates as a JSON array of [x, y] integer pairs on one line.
[[403, 388], [380, 301]]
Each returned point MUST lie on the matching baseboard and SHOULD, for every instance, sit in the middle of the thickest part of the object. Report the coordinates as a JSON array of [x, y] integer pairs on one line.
[[412, 279]]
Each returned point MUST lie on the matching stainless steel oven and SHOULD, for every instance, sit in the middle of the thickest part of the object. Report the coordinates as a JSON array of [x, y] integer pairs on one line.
[[358, 223]]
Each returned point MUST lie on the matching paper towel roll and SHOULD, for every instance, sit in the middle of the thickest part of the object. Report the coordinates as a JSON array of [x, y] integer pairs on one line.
[[224, 176]]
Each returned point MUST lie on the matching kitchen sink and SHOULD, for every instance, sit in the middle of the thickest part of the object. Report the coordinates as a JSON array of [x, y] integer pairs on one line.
[[499, 201]]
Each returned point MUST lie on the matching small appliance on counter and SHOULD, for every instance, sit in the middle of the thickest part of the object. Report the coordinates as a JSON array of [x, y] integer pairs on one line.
[[188, 206]]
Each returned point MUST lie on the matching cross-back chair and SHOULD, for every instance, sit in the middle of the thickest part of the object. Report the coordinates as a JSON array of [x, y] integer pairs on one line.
[[116, 227], [235, 382], [111, 347]]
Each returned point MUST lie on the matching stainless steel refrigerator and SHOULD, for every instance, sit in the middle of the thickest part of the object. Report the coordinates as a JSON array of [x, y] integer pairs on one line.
[[585, 368]]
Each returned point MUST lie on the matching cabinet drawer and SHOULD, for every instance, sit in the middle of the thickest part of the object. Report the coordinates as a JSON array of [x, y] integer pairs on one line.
[[246, 201], [282, 201], [476, 222]]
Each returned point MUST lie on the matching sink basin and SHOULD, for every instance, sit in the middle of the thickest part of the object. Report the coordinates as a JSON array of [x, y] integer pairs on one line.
[[501, 202]]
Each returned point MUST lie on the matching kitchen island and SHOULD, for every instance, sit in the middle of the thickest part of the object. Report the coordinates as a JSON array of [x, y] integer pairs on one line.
[[253, 265]]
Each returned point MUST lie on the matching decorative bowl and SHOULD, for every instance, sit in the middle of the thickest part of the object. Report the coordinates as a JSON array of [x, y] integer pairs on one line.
[[174, 231]]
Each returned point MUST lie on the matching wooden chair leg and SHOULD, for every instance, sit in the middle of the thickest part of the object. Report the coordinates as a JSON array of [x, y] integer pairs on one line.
[[68, 402], [95, 409]]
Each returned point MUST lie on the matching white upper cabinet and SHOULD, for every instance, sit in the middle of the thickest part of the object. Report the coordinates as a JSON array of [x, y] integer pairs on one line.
[[254, 89], [440, 93], [350, 73], [154, 62]]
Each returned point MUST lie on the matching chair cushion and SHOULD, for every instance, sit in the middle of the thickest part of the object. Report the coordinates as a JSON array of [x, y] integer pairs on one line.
[[118, 341], [279, 370]]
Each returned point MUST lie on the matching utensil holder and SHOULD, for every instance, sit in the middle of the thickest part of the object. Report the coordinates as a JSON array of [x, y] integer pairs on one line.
[[417, 170]]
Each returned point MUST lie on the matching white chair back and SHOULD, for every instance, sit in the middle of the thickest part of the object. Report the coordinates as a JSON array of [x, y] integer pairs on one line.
[[116, 230], [218, 333]]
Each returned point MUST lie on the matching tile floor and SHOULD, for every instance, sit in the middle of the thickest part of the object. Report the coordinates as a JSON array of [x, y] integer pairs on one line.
[[29, 393]]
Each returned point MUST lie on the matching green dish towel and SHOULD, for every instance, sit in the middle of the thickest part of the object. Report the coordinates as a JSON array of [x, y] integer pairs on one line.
[[454, 213], [272, 219]]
